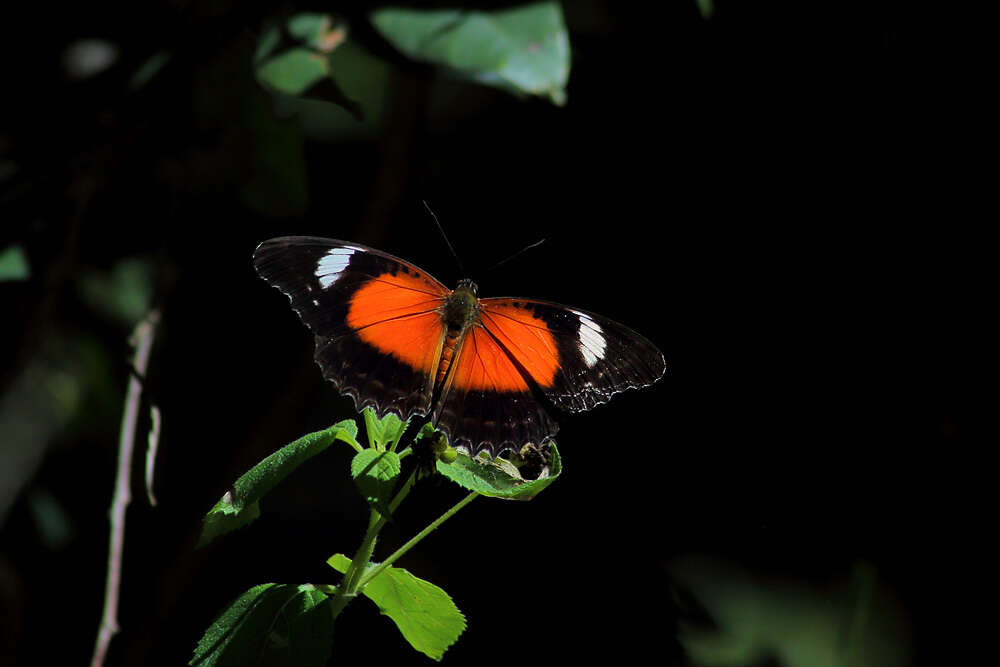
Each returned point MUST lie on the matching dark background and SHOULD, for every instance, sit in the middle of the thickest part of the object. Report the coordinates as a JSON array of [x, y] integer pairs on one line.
[[779, 197]]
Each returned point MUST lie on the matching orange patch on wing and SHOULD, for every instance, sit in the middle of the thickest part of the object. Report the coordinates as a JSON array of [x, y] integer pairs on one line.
[[527, 338], [397, 316], [483, 365]]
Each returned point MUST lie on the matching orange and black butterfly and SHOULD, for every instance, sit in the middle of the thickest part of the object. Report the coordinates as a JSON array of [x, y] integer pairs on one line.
[[394, 338]]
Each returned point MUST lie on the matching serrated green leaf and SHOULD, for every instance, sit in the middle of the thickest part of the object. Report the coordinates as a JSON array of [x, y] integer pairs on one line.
[[310, 628], [498, 478], [270, 624], [13, 264], [239, 506], [383, 433], [374, 473], [425, 615], [294, 71], [523, 50], [380, 466]]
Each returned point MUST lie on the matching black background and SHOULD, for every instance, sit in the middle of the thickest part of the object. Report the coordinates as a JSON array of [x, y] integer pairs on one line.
[[780, 198]]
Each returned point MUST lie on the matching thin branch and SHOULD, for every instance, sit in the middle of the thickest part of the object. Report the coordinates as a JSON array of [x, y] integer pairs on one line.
[[142, 340], [152, 445], [377, 570]]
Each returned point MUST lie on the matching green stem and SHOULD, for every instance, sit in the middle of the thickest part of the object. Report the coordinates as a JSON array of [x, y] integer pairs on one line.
[[363, 555], [416, 538], [349, 585]]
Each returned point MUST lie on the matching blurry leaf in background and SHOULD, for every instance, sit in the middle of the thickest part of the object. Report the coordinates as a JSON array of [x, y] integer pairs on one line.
[[68, 387], [706, 8], [13, 264], [352, 103], [149, 69], [306, 68], [122, 294], [258, 152], [86, 58], [278, 184], [524, 50], [54, 525], [294, 71], [790, 622], [318, 31]]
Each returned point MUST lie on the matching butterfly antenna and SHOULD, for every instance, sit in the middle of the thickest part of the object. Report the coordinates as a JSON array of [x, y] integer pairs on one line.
[[517, 254], [444, 236]]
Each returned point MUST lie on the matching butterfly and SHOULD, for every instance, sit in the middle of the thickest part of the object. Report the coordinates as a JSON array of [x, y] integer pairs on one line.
[[395, 339]]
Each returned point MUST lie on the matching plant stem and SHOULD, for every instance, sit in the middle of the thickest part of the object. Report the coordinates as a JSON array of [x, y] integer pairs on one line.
[[416, 538], [349, 586]]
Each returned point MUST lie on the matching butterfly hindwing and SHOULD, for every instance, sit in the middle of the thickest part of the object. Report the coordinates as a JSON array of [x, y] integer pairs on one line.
[[378, 333], [488, 402], [576, 358]]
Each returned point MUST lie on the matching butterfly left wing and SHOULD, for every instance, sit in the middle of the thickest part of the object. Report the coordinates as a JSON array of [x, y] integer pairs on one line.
[[576, 358], [375, 317]]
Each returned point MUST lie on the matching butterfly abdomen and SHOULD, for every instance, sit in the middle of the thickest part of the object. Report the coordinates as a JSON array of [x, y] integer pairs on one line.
[[447, 354]]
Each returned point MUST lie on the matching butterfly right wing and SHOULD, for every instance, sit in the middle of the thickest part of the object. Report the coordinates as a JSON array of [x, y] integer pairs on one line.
[[379, 333]]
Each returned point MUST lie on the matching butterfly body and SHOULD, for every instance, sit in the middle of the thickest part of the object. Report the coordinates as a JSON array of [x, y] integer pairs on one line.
[[486, 370]]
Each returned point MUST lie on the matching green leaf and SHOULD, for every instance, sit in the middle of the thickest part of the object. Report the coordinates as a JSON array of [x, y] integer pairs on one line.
[[268, 41], [270, 624], [426, 431], [239, 506], [340, 563], [524, 50], [149, 69], [790, 621], [13, 264], [124, 293], [318, 31], [499, 478], [425, 615], [375, 473], [294, 71], [383, 433]]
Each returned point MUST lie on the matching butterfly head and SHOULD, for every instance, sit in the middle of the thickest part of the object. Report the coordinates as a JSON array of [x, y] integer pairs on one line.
[[467, 284]]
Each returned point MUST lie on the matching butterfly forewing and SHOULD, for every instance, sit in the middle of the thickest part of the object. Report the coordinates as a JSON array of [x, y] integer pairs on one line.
[[374, 316]]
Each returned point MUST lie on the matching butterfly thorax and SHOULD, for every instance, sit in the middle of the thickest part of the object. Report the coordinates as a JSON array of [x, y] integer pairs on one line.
[[461, 306]]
